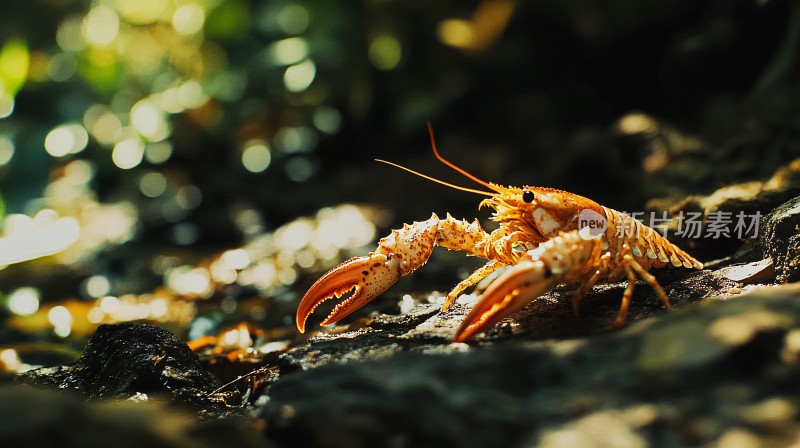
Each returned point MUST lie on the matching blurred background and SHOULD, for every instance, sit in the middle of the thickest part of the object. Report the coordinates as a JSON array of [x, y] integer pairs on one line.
[[198, 163]]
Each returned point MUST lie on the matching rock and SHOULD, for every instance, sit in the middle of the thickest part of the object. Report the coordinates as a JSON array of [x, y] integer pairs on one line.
[[126, 359], [425, 329], [756, 272], [31, 418], [780, 240], [736, 205], [687, 378], [379, 338]]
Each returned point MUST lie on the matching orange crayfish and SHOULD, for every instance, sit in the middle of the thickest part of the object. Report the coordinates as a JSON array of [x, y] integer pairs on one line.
[[547, 236]]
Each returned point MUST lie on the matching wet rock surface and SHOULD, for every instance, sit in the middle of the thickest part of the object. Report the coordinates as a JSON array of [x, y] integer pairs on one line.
[[127, 359], [424, 329], [723, 368], [781, 240], [743, 204]]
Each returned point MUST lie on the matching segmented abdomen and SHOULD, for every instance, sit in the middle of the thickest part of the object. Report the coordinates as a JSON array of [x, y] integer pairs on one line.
[[648, 246]]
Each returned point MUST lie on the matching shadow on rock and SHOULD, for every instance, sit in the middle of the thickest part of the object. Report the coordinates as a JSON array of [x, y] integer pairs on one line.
[[690, 377]]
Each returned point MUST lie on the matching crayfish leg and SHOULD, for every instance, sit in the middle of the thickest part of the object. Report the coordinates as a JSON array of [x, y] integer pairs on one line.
[[587, 285], [632, 268], [626, 298], [651, 280], [479, 274]]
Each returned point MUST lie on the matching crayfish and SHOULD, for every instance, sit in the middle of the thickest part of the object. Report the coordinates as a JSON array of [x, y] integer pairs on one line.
[[542, 234]]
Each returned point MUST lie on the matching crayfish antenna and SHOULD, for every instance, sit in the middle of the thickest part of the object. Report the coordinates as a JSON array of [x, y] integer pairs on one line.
[[433, 179], [450, 164]]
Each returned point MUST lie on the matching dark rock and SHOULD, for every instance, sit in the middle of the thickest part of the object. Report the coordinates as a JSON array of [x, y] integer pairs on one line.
[[124, 359], [379, 338], [780, 240], [747, 199], [693, 376], [31, 418], [424, 329]]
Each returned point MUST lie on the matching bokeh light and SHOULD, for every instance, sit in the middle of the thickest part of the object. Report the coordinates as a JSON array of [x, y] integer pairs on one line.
[[288, 51], [97, 286], [292, 18], [100, 26], [185, 233], [125, 135], [6, 150], [14, 64], [70, 34], [299, 77], [296, 139], [128, 154], [66, 139], [327, 120], [103, 124], [188, 197], [10, 361], [6, 105], [153, 184], [26, 238], [256, 157], [24, 301], [190, 95], [385, 52], [150, 121], [142, 12], [188, 19], [189, 281], [61, 320], [62, 67], [300, 169], [158, 153], [456, 32]]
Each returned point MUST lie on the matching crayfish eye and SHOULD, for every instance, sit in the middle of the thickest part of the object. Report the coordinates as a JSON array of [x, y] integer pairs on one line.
[[527, 196]]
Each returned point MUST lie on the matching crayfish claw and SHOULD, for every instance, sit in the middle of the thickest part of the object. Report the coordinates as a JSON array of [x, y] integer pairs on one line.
[[508, 294], [367, 277]]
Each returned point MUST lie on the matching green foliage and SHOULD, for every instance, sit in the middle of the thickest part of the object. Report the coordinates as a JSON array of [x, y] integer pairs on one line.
[[228, 21]]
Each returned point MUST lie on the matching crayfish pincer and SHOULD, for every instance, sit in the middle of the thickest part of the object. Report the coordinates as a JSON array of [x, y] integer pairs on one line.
[[547, 236]]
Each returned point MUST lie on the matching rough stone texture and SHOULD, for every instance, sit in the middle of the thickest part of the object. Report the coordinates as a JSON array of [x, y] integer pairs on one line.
[[748, 198], [37, 418], [425, 329], [715, 370], [780, 240], [124, 359]]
